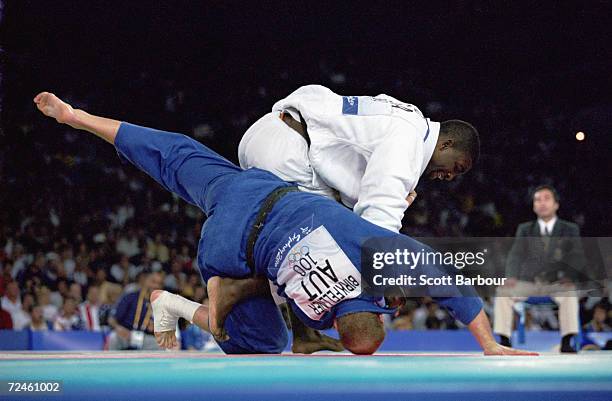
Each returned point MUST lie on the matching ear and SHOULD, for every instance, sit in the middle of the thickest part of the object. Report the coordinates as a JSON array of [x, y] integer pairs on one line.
[[448, 143]]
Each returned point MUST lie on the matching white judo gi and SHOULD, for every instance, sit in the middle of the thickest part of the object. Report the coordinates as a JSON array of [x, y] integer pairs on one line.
[[368, 152]]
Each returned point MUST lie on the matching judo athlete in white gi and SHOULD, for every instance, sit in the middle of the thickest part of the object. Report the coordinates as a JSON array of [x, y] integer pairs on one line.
[[367, 152], [256, 225]]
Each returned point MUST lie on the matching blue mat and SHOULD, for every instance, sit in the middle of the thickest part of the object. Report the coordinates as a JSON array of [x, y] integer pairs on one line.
[[197, 376]]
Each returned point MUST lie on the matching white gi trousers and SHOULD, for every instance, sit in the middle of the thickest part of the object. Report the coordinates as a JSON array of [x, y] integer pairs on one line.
[[270, 144]]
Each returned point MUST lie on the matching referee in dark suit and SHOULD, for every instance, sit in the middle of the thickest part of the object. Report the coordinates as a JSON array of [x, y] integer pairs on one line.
[[545, 259]]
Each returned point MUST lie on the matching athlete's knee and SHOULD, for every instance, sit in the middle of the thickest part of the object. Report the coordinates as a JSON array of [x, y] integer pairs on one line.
[[361, 333]]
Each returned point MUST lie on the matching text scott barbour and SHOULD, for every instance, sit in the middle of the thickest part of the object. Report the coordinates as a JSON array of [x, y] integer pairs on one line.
[[407, 259]]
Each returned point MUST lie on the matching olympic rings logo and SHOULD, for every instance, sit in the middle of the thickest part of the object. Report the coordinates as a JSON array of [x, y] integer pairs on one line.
[[298, 254]]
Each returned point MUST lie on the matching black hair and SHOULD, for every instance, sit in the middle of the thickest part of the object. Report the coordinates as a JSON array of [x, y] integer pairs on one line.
[[464, 135], [547, 187]]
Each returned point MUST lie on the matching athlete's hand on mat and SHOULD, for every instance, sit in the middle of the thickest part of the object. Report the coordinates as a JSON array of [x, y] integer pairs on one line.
[[411, 197], [498, 349], [52, 106]]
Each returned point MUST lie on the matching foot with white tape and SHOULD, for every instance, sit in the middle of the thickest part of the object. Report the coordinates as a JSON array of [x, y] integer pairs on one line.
[[167, 309]]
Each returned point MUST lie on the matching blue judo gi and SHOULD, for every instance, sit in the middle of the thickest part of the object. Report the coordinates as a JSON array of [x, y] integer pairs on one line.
[[299, 224]]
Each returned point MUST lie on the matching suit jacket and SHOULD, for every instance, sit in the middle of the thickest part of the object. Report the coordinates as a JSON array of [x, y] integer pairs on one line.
[[533, 255]]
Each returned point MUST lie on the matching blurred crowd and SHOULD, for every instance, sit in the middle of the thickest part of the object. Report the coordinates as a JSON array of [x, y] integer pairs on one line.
[[54, 285]]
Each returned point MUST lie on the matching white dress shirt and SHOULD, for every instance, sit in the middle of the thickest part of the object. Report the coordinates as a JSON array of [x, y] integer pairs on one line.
[[372, 150], [10, 306], [547, 227]]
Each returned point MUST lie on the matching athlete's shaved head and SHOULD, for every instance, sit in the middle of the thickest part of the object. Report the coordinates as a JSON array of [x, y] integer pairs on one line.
[[361, 332]]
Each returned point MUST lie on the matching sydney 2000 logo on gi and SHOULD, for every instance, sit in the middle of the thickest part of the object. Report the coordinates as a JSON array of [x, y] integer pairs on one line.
[[317, 274]]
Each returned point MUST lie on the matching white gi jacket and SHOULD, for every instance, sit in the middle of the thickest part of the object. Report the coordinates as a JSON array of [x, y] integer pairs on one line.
[[372, 150]]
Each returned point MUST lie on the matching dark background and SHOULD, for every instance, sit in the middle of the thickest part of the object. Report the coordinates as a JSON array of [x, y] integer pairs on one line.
[[528, 75]]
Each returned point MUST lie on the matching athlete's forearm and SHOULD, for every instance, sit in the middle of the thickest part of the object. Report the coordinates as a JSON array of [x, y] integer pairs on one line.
[[480, 328]]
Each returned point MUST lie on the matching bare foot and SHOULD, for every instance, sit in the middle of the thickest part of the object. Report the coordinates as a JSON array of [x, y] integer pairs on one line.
[[222, 296], [52, 106], [164, 322], [498, 349], [316, 342]]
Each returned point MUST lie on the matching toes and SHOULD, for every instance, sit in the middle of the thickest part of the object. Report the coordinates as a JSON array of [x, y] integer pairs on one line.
[[39, 97]]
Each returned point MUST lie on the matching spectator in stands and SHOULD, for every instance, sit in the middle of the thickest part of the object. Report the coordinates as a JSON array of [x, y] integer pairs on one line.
[[132, 318], [68, 319], [21, 317], [5, 276], [176, 279], [38, 322], [536, 267], [106, 308], [185, 259], [76, 292], [120, 272], [157, 249], [21, 260], [6, 322], [138, 283], [67, 262], [435, 317], [601, 319], [62, 292], [49, 310], [11, 301], [128, 244], [189, 287], [80, 273], [105, 286], [90, 310]]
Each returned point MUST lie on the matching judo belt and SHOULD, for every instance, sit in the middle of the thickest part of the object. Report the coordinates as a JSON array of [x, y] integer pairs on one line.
[[298, 126], [260, 221]]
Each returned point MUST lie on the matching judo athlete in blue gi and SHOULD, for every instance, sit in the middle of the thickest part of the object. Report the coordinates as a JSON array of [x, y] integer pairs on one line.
[[258, 226]]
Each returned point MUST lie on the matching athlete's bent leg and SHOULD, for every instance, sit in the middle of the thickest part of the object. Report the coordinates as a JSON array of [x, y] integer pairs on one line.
[[224, 293]]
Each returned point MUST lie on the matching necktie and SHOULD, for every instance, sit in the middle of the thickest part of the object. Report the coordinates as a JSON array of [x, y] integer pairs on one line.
[[546, 238]]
